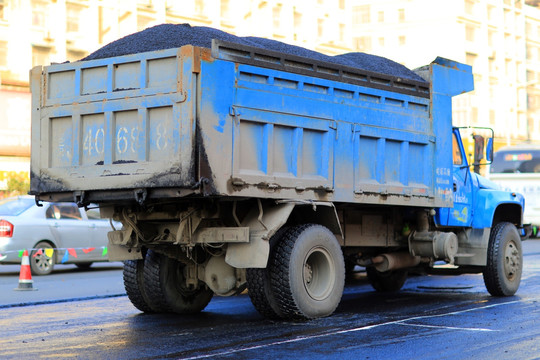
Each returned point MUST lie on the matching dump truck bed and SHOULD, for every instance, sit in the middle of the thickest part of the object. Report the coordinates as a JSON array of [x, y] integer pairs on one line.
[[235, 121]]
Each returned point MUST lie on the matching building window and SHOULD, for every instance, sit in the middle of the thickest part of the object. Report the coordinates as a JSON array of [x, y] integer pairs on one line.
[[39, 14], [381, 41], [145, 4], [276, 16], [492, 117], [3, 54], [380, 16], [2, 10], [362, 43], [341, 32], [470, 59], [401, 15], [361, 14], [342, 4], [492, 65], [491, 37], [491, 13], [199, 7], [469, 32], [40, 55], [402, 40], [225, 9], [75, 55], [320, 28], [73, 18], [469, 7], [297, 20], [143, 22]]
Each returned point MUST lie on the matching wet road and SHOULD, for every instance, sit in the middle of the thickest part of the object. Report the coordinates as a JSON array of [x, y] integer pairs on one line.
[[435, 317]]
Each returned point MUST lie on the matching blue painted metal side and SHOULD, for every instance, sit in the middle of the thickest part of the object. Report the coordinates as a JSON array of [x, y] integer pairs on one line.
[[169, 118], [295, 132]]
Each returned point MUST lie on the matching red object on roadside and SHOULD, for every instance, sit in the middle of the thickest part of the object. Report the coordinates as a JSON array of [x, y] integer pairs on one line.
[[25, 276]]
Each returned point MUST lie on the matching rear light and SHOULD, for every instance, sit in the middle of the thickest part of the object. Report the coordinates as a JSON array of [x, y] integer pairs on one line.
[[6, 228]]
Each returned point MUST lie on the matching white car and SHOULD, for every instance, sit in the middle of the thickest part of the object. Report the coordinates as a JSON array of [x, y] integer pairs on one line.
[[55, 233]]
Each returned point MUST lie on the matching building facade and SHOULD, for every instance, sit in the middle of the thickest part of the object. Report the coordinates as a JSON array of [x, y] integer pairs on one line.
[[499, 38]]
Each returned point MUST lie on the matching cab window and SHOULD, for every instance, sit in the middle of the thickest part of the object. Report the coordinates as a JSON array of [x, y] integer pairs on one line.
[[458, 157]]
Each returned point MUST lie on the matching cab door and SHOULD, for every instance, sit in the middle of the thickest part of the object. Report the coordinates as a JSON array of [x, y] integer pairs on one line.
[[461, 213]]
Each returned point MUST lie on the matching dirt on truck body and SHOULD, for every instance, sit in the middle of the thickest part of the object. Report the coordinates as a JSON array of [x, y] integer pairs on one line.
[[237, 163]]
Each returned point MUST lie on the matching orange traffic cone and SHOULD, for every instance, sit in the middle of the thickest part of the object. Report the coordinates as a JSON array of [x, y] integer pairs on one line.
[[25, 276]]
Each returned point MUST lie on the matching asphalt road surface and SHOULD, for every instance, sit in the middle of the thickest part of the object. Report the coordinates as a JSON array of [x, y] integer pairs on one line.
[[433, 317]]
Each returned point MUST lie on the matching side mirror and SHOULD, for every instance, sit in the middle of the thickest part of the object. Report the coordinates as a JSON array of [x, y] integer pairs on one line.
[[489, 150], [478, 148]]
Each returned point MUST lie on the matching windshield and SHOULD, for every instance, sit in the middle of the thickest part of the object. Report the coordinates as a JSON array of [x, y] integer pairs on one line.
[[516, 161], [15, 206]]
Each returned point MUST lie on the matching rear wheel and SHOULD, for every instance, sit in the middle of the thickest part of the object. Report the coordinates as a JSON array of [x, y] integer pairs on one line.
[[502, 274], [388, 281], [307, 272], [259, 287], [152, 282], [134, 284], [40, 262], [165, 285]]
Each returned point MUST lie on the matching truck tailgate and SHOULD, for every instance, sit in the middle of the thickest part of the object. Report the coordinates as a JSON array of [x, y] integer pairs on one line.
[[114, 123]]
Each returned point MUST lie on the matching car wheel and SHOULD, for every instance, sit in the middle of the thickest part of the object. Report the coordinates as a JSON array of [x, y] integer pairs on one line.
[[40, 263]]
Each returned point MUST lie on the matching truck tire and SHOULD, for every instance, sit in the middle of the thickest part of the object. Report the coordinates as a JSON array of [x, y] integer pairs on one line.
[[502, 274], [259, 287], [152, 282], [165, 285], [133, 275], [307, 272], [388, 281]]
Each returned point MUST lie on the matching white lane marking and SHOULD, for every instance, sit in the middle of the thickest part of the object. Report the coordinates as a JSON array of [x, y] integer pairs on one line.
[[446, 327], [368, 327]]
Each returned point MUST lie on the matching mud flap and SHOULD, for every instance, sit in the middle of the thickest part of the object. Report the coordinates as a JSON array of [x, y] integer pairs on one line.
[[122, 253], [249, 255]]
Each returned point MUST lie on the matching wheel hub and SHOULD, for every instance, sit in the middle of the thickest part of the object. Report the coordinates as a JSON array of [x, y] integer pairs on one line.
[[318, 273], [308, 274], [511, 261]]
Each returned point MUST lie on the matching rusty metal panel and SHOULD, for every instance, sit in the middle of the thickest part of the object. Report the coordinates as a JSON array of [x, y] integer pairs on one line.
[[285, 151], [118, 123], [185, 122]]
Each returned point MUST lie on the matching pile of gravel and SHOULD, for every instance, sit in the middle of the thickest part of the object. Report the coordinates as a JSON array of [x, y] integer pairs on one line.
[[167, 36]]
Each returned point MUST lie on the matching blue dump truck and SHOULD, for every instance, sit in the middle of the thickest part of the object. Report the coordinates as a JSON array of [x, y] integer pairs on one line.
[[235, 167]]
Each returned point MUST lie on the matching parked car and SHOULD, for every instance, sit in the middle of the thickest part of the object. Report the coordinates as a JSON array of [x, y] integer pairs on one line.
[[55, 233]]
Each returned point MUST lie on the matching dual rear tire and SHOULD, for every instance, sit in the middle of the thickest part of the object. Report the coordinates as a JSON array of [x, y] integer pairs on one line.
[[156, 283], [304, 278]]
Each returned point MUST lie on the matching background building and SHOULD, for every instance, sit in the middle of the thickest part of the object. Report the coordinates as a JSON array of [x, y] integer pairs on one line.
[[499, 38]]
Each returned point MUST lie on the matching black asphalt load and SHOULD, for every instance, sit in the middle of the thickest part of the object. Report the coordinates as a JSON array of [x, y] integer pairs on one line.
[[167, 36]]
